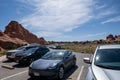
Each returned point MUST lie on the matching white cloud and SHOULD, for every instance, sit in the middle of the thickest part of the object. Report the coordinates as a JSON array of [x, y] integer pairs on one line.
[[105, 13], [103, 10], [51, 17], [93, 35], [115, 19], [101, 6], [48, 34]]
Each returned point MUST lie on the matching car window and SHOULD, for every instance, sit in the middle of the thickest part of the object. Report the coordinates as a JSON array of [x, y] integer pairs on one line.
[[31, 50], [54, 55], [68, 53], [21, 48], [41, 50], [109, 58], [38, 51]]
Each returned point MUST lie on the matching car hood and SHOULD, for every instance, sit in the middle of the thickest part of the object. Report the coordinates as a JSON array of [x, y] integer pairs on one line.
[[105, 74], [43, 64], [21, 54]]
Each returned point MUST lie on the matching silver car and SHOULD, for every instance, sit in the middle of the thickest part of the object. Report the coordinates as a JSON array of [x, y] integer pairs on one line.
[[105, 64], [11, 53]]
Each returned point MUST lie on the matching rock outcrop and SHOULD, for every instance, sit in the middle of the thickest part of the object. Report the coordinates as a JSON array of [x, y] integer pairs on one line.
[[42, 41], [6, 41], [16, 30], [16, 34]]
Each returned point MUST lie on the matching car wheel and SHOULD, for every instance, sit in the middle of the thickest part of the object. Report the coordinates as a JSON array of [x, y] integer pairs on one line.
[[31, 60], [61, 73]]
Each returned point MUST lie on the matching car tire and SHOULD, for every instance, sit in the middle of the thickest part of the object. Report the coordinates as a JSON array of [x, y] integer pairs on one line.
[[61, 73]]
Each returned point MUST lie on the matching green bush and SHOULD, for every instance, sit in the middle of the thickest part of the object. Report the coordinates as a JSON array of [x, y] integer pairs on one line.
[[11, 46], [3, 52]]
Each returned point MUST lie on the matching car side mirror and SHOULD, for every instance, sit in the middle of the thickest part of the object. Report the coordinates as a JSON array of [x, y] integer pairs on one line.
[[87, 60]]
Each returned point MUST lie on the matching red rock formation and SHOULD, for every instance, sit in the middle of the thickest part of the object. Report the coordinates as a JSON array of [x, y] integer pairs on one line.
[[42, 41], [16, 30], [6, 41]]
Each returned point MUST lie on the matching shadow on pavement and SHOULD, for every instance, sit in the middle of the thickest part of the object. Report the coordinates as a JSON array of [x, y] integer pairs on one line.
[[70, 72], [8, 61], [20, 65], [66, 76]]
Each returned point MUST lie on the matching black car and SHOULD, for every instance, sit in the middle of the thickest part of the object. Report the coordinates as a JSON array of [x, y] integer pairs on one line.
[[31, 54], [53, 64]]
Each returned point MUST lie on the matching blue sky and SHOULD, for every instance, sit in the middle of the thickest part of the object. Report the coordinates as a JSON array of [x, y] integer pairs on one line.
[[64, 20]]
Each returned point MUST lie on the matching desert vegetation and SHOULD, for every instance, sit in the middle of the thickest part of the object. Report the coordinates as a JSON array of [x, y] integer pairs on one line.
[[88, 46]]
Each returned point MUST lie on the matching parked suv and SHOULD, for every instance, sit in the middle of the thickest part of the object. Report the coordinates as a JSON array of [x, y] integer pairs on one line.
[[31, 54], [10, 55], [105, 64]]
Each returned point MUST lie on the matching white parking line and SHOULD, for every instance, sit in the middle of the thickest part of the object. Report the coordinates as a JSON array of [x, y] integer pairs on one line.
[[14, 75], [79, 76]]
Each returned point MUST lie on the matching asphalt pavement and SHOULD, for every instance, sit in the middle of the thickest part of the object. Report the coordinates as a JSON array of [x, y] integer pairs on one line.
[[20, 72]]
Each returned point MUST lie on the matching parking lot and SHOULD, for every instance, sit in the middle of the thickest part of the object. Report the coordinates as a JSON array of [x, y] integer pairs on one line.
[[20, 72]]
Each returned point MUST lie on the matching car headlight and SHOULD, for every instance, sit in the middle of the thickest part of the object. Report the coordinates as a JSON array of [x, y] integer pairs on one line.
[[13, 54], [29, 54], [53, 66]]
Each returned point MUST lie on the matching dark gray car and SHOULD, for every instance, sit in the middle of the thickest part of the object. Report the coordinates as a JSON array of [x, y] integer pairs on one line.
[[53, 64]]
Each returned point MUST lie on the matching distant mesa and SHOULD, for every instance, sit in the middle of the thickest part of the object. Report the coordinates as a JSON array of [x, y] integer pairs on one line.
[[16, 34]]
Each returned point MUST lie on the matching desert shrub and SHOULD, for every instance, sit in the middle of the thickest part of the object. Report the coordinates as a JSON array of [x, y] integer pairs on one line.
[[3, 52], [11, 46]]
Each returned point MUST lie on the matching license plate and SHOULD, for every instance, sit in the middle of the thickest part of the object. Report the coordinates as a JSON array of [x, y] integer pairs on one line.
[[10, 56], [36, 74]]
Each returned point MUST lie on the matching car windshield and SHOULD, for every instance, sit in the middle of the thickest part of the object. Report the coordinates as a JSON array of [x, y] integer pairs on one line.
[[108, 58], [21, 48], [31, 50], [54, 55]]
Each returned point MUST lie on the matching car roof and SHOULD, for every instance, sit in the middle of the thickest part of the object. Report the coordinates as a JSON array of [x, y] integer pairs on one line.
[[35, 45], [112, 46]]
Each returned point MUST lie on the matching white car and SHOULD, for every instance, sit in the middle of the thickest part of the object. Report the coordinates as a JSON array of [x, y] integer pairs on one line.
[[105, 64]]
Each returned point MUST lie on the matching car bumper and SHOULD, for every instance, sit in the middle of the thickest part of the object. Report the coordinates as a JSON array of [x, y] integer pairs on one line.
[[10, 56], [51, 73], [20, 60]]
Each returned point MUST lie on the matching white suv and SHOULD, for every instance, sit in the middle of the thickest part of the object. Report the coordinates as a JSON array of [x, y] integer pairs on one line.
[[105, 64]]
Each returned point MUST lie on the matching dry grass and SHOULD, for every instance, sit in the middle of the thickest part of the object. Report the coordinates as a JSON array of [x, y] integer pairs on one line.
[[3, 52], [83, 48]]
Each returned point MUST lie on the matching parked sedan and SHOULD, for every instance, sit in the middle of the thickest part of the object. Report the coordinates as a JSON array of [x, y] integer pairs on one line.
[[31, 54], [105, 64], [53, 64], [10, 55]]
